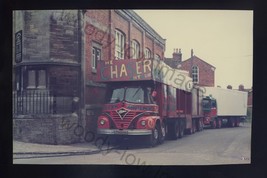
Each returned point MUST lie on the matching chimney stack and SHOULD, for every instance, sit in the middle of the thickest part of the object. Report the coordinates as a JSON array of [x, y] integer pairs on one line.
[[241, 87], [177, 56], [192, 52]]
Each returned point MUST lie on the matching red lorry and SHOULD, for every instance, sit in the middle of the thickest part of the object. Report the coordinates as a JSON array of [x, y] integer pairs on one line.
[[148, 98], [224, 107]]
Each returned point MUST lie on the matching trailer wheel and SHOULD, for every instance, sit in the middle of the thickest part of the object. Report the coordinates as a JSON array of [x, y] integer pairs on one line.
[[162, 133], [200, 125], [237, 122], [194, 126], [231, 122], [181, 130], [219, 123], [213, 124], [154, 137], [174, 130]]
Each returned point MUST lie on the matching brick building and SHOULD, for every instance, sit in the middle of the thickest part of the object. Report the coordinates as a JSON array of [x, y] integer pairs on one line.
[[202, 73], [55, 64], [113, 35]]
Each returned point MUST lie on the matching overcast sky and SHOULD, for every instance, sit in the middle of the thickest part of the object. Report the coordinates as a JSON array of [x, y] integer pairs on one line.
[[224, 39]]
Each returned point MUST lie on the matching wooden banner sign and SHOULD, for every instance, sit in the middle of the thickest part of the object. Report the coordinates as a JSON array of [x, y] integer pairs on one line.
[[143, 69], [124, 70]]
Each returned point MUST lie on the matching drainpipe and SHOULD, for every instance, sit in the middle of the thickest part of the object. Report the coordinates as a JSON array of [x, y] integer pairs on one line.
[[82, 68]]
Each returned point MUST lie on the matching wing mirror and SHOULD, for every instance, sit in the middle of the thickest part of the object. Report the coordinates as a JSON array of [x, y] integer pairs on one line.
[[154, 94]]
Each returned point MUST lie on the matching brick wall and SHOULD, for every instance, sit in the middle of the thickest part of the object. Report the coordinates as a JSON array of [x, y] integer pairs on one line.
[[48, 129], [206, 74], [98, 24], [137, 34], [158, 50], [149, 43]]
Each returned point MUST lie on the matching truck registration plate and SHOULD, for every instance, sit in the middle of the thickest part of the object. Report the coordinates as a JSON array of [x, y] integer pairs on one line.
[[122, 132]]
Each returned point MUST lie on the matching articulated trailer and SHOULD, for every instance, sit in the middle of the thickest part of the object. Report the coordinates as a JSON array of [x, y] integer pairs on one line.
[[148, 98], [224, 107]]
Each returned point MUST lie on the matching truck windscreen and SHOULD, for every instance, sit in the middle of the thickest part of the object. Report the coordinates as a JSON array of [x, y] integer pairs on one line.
[[206, 104], [129, 94]]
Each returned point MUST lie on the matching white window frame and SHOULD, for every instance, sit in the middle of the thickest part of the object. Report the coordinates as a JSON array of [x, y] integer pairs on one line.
[[119, 44], [157, 56], [195, 74], [135, 49], [96, 56], [36, 79], [147, 53], [41, 79]]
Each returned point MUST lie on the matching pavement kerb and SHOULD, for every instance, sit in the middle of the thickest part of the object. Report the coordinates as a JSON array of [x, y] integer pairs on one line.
[[34, 148]]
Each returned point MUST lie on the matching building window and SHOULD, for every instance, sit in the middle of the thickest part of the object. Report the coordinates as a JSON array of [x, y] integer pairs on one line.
[[195, 74], [119, 44], [36, 79], [135, 52], [147, 53], [157, 57], [96, 56]]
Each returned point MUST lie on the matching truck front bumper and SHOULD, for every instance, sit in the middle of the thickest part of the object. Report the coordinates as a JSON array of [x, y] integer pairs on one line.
[[124, 132]]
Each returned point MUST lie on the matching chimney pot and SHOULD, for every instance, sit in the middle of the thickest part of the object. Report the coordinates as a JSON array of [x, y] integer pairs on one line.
[[229, 87], [177, 56]]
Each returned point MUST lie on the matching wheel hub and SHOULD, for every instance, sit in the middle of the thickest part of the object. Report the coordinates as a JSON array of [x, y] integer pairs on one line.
[[156, 134]]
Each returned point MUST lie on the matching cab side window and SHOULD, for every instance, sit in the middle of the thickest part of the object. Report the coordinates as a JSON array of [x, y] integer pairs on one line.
[[213, 104]]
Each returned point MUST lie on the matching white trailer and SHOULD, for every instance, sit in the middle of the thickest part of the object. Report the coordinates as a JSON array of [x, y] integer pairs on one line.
[[231, 105]]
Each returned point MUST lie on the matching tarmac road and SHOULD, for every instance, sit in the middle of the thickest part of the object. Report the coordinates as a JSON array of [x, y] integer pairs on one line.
[[209, 147]]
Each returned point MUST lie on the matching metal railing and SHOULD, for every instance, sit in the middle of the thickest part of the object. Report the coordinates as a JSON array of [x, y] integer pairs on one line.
[[40, 102]]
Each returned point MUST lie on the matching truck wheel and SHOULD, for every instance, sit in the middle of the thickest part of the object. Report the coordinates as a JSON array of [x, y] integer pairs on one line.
[[231, 122], [192, 129], [237, 122], [154, 137], [201, 125], [174, 130], [219, 123], [181, 130], [213, 124], [194, 126], [162, 133]]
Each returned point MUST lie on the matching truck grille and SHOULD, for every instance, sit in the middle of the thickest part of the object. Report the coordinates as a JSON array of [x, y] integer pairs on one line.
[[122, 121]]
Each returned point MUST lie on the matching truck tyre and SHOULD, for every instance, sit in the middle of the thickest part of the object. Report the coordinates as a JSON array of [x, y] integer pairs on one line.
[[192, 129], [231, 122], [194, 126], [174, 130], [200, 125], [181, 130], [237, 122], [154, 137], [219, 123], [162, 133], [213, 124]]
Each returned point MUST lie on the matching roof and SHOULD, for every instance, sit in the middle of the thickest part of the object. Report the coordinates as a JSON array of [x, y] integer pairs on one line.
[[170, 62], [195, 57], [142, 23]]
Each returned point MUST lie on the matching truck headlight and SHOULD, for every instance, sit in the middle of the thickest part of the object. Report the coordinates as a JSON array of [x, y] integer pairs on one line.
[[143, 123], [102, 122]]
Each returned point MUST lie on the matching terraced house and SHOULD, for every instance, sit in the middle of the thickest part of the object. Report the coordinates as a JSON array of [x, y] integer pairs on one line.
[[55, 57]]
